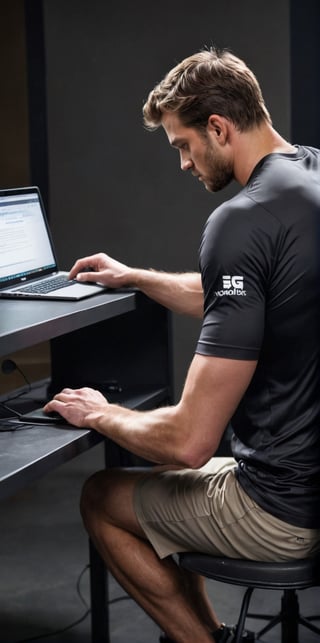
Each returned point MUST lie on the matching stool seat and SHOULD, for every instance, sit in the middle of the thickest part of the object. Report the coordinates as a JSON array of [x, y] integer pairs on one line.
[[288, 577], [296, 574]]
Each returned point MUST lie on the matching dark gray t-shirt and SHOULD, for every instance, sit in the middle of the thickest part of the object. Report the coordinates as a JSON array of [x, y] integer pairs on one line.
[[259, 260]]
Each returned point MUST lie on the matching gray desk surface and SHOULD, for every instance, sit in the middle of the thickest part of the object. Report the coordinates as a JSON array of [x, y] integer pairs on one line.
[[25, 323], [26, 454]]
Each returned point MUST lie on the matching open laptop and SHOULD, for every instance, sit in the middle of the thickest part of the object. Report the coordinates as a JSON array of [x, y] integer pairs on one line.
[[28, 264]]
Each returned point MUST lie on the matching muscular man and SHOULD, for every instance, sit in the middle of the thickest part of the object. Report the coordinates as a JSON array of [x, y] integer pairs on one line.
[[256, 363]]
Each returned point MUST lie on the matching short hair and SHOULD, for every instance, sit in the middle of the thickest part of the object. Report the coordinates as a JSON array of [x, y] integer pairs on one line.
[[209, 82]]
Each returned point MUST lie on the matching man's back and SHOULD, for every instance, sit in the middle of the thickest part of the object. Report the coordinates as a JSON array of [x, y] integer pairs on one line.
[[268, 236]]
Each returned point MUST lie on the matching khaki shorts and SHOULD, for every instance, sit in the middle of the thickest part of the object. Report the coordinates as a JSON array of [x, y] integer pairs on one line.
[[207, 511]]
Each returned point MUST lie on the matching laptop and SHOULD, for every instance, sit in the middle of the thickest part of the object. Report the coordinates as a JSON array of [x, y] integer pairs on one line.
[[28, 264]]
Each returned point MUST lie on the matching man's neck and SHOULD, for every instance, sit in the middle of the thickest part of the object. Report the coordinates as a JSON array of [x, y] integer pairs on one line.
[[250, 147]]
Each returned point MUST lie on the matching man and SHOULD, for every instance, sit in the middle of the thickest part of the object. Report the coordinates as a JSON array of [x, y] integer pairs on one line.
[[256, 363]]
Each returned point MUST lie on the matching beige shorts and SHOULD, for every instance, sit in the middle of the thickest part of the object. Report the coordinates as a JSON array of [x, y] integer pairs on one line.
[[207, 511]]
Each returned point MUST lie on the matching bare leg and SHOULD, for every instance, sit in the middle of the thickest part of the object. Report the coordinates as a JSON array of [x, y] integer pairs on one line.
[[196, 588], [173, 598]]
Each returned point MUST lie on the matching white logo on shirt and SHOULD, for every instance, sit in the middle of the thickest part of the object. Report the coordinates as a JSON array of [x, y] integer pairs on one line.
[[231, 285], [232, 282]]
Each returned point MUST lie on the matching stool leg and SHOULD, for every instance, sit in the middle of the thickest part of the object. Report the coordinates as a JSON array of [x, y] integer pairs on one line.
[[290, 617], [243, 614]]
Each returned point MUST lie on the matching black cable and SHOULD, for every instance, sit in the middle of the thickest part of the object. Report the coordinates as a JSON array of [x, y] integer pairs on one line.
[[7, 423], [119, 599], [78, 586], [26, 393], [79, 620], [71, 625], [16, 414], [13, 423], [56, 632], [8, 366]]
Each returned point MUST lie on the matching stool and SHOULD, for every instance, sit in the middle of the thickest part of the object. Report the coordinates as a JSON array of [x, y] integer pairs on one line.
[[287, 576]]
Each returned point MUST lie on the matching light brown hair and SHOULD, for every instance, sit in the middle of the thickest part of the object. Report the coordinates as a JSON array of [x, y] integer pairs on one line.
[[208, 82]]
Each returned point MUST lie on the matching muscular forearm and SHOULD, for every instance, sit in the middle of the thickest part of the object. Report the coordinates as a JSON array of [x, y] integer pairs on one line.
[[181, 293], [154, 436], [185, 434]]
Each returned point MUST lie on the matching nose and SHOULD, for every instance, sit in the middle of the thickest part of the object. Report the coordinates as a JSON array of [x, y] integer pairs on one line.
[[185, 162]]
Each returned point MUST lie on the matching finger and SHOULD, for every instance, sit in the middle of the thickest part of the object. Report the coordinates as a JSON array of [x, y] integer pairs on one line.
[[53, 406], [64, 396], [79, 265], [86, 275]]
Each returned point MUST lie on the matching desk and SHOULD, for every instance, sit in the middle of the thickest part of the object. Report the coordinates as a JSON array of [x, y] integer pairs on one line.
[[119, 338]]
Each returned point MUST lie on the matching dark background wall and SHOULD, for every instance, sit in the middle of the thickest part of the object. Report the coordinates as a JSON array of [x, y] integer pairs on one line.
[[14, 129], [114, 186], [109, 184]]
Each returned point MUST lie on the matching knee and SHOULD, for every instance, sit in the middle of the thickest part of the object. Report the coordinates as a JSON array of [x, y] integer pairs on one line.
[[107, 498], [91, 496]]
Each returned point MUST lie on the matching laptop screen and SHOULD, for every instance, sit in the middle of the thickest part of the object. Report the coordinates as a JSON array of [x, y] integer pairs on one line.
[[25, 245]]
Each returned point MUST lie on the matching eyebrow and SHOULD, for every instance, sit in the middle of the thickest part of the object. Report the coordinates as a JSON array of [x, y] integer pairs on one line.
[[176, 141]]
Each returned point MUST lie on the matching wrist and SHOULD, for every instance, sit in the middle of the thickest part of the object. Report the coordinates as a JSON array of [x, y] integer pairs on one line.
[[137, 277], [94, 419]]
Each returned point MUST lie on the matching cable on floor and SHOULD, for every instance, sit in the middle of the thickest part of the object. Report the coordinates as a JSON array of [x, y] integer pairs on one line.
[[79, 620]]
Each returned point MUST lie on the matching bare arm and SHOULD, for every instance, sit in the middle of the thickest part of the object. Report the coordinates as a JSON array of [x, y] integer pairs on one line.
[[181, 293], [186, 434]]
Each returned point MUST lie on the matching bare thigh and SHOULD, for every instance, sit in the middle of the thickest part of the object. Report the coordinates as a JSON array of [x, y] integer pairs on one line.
[[108, 496]]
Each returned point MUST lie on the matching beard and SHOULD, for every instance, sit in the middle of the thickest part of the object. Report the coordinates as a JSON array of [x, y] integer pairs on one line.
[[220, 172]]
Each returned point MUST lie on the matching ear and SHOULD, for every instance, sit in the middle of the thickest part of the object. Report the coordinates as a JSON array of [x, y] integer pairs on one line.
[[218, 128]]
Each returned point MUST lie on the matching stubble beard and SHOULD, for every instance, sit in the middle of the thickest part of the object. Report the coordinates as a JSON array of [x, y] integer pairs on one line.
[[220, 171]]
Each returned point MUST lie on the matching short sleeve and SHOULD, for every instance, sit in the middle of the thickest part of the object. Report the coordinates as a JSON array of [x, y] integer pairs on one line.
[[235, 263]]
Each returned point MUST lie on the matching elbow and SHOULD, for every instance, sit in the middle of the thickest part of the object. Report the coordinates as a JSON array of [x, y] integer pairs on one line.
[[192, 458], [192, 446]]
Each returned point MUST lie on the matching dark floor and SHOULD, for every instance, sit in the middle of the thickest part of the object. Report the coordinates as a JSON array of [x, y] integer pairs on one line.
[[44, 552]]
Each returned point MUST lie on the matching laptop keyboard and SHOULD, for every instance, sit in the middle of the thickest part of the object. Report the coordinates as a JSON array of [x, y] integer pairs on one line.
[[48, 285]]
